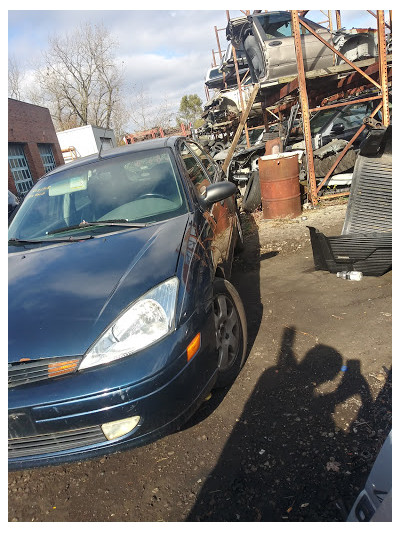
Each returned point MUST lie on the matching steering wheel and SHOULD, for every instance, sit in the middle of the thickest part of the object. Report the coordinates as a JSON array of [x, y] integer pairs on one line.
[[152, 195]]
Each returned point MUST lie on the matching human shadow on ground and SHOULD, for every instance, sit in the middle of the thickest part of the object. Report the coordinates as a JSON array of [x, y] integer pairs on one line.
[[286, 459]]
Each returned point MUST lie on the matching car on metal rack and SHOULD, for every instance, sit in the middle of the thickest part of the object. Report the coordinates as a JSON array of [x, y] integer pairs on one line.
[[268, 42], [121, 315]]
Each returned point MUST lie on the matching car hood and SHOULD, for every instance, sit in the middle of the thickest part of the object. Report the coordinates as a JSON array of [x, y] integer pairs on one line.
[[62, 296]]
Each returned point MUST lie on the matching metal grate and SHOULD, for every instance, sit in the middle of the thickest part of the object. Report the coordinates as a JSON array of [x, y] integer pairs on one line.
[[369, 253], [54, 442], [370, 202], [46, 154], [19, 168], [25, 372]]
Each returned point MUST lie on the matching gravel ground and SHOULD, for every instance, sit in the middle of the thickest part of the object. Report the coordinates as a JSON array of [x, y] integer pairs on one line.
[[295, 436]]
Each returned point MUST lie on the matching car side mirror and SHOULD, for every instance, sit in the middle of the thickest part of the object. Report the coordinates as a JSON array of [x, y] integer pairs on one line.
[[218, 191], [338, 128]]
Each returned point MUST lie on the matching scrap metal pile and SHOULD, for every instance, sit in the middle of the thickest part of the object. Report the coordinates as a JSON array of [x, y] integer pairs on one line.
[[265, 52]]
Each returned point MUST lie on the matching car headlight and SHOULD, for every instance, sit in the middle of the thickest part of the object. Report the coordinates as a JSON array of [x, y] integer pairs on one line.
[[146, 321]]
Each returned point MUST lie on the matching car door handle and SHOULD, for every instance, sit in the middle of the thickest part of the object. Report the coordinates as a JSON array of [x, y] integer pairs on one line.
[[275, 43]]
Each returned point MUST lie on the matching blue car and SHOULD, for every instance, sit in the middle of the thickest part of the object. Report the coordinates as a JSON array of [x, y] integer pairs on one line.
[[121, 315]]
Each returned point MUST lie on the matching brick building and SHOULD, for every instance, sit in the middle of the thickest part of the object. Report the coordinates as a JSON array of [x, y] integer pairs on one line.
[[33, 147]]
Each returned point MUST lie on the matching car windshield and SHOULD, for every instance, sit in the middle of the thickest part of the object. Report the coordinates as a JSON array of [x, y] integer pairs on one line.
[[255, 137], [279, 24], [321, 118], [139, 187], [214, 73]]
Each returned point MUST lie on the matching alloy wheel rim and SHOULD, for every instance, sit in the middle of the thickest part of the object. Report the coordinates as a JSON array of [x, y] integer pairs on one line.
[[227, 329]]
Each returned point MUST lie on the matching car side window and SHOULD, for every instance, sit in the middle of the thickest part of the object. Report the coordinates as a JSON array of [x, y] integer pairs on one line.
[[206, 161], [353, 116], [275, 25], [196, 173]]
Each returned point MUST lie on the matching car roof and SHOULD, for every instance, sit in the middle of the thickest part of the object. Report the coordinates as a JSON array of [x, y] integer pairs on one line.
[[151, 144]]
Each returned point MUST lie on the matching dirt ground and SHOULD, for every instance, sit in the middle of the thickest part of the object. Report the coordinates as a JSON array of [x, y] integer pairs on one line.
[[295, 436]]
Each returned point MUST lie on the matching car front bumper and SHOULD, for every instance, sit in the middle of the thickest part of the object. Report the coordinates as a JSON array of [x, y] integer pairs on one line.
[[59, 420]]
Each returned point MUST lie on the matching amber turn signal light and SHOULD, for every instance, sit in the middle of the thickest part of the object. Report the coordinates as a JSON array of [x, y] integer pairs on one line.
[[193, 347], [62, 367]]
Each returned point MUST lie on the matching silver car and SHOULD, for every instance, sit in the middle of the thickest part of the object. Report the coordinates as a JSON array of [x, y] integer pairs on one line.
[[268, 42]]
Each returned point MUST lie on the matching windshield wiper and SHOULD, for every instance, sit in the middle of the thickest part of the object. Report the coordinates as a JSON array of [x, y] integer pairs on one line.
[[114, 222], [58, 239]]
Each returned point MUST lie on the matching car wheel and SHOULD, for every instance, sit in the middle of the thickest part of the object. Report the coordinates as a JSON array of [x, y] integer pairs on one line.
[[230, 331], [252, 195], [239, 245]]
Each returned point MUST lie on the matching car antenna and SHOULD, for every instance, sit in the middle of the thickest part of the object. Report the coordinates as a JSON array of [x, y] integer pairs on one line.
[[101, 145]]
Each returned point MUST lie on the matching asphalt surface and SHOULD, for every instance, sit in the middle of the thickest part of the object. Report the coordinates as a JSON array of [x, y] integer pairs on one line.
[[293, 439]]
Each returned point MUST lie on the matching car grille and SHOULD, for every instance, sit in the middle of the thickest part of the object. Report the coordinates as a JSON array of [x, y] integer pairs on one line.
[[25, 372], [54, 442]]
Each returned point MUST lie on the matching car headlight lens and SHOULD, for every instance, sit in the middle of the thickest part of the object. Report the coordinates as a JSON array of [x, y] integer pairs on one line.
[[147, 320]]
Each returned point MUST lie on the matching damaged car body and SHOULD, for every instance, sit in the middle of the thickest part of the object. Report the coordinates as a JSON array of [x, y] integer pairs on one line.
[[225, 73], [118, 272], [331, 131], [268, 42]]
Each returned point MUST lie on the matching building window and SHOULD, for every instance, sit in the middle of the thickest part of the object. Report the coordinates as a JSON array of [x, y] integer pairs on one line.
[[19, 169], [46, 153]]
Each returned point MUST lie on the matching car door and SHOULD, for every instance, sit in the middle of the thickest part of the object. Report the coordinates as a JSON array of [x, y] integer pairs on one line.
[[202, 171], [274, 31]]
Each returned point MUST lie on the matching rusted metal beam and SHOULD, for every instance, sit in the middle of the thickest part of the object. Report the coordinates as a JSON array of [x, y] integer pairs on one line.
[[239, 87], [256, 128], [341, 104], [343, 87], [347, 148], [355, 77], [286, 90], [383, 74], [305, 25], [214, 62], [330, 20], [351, 80], [244, 76], [220, 54], [219, 46], [304, 107], [376, 16], [337, 195], [338, 19]]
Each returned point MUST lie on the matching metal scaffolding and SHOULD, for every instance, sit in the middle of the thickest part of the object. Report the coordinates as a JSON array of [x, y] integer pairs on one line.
[[353, 79]]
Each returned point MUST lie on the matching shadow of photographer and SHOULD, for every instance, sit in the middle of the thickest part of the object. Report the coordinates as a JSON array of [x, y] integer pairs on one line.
[[286, 459]]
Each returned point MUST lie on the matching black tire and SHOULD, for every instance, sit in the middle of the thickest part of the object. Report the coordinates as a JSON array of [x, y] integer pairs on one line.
[[239, 245], [230, 331], [252, 195]]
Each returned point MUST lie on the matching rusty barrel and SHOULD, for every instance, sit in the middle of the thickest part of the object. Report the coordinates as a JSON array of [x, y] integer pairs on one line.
[[280, 187]]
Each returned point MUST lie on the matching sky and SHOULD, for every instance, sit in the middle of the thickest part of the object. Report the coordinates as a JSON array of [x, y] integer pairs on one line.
[[167, 52]]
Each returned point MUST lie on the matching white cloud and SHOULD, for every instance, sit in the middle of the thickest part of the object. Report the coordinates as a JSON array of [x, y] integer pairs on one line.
[[166, 52]]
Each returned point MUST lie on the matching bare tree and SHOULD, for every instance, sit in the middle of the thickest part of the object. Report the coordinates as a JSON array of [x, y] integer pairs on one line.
[[81, 81], [119, 120], [145, 114], [15, 78]]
